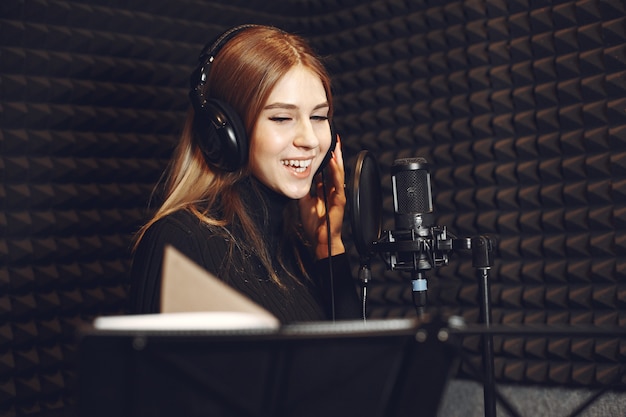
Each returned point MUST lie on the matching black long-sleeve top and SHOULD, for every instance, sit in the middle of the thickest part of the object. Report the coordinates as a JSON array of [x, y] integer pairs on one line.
[[306, 300]]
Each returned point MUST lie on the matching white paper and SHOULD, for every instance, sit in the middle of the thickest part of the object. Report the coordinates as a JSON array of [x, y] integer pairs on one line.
[[214, 320]]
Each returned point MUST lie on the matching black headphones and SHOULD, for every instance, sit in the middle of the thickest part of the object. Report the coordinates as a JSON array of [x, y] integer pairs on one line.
[[217, 128]]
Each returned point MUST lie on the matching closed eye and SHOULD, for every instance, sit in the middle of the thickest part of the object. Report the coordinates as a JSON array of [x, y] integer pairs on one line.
[[280, 119]]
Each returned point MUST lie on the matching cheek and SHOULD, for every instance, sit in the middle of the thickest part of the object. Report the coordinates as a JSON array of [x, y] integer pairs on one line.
[[263, 147], [257, 142], [325, 138]]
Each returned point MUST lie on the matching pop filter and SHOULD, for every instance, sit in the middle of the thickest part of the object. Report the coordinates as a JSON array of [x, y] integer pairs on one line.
[[365, 199]]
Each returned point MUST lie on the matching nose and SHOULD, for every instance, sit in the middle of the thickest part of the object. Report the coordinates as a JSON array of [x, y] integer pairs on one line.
[[306, 135]]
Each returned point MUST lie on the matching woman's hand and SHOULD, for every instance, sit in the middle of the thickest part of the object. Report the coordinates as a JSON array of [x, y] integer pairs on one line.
[[313, 209]]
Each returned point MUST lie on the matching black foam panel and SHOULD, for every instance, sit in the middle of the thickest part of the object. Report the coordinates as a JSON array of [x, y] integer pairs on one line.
[[516, 106], [93, 96]]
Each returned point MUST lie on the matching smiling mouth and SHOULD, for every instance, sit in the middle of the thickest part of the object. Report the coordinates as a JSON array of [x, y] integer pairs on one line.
[[297, 165]]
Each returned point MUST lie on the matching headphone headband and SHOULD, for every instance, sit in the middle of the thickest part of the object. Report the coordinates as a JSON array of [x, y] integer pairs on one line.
[[212, 48], [200, 76]]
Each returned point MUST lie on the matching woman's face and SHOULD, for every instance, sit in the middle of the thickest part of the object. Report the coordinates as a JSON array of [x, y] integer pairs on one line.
[[292, 134]]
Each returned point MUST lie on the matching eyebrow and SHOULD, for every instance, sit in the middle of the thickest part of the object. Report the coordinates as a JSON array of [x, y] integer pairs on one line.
[[292, 106]]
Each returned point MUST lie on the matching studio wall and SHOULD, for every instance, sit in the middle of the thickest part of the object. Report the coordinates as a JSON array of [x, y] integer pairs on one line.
[[519, 105]]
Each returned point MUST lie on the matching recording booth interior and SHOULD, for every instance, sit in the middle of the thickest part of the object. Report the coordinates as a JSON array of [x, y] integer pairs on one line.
[[517, 105]]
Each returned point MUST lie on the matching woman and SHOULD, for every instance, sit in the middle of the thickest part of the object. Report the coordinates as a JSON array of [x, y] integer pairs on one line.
[[255, 223]]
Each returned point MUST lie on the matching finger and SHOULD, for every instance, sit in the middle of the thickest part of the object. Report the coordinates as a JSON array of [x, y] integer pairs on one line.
[[338, 171], [339, 152]]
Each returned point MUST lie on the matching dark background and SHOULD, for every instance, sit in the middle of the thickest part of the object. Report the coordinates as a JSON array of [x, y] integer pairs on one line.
[[519, 105]]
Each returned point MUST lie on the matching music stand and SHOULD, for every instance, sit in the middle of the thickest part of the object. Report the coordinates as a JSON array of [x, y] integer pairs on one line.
[[390, 368]]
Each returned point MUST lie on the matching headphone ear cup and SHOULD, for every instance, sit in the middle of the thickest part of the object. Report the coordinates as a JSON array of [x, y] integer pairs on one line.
[[220, 135], [333, 144]]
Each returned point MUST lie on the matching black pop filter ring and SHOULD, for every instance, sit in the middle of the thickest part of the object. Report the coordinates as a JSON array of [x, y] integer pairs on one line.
[[366, 204]]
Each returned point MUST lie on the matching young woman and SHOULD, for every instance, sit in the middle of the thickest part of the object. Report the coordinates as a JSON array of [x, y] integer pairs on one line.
[[256, 224]]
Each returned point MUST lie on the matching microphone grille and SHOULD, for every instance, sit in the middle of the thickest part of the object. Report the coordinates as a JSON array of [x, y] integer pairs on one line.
[[411, 178]]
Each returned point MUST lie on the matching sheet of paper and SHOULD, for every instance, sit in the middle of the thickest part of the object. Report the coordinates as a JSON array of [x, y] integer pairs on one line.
[[188, 287], [194, 299], [212, 320]]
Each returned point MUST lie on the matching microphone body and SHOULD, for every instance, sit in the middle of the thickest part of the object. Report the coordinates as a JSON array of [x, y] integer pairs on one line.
[[413, 210]]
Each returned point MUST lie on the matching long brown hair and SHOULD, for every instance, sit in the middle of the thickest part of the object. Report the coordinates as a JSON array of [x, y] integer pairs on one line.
[[243, 74]]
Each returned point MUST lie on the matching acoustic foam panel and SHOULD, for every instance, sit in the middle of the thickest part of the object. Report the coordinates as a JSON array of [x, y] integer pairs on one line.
[[93, 95], [517, 106]]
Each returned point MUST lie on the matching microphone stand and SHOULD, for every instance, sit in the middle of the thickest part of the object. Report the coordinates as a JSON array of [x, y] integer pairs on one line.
[[417, 252], [482, 260]]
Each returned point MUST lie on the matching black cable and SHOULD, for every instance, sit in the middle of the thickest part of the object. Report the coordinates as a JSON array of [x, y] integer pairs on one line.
[[364, 304], [364, 276], [330, 261]]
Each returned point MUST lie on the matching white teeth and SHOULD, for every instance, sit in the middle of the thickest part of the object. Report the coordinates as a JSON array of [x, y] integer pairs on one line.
[[297, 164]]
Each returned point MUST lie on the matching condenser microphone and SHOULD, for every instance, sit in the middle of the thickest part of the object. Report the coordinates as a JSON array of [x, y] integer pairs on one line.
[[416, 245], [414, 218], [412, 195]]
